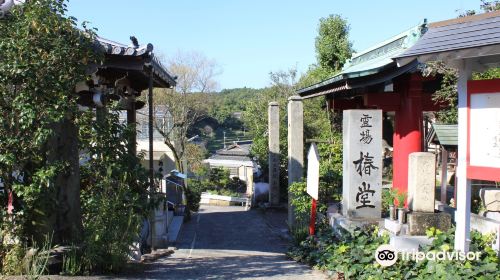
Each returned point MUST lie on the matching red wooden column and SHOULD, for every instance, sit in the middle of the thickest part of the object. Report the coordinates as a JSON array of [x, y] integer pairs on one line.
[[408, 127]]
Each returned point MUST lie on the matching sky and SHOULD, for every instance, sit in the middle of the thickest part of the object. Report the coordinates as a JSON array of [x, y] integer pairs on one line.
[[251, 38]]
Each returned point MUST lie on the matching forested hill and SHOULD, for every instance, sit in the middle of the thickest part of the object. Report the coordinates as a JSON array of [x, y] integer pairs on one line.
[[225, 116], [230, 101]]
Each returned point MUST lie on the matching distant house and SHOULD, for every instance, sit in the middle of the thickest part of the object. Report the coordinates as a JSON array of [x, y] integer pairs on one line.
[[237, 115], [163, 158], [236, 158]]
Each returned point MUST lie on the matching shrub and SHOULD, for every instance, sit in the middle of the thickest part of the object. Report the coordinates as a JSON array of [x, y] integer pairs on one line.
[[114, 194], [353, 256], [193, 194]]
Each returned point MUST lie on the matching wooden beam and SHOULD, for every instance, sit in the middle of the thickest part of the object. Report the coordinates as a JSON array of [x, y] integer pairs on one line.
[[345, 104], [385, 101]]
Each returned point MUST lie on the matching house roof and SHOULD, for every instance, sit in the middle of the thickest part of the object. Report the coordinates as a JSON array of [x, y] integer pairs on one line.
[[157, 155], [135, 61], [477, 33], [372, 66], [239, 152], [230, 157], [444, 134], [241, 148]]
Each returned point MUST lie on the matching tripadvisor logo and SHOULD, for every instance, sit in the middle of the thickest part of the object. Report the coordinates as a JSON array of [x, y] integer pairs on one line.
[[386, 255]]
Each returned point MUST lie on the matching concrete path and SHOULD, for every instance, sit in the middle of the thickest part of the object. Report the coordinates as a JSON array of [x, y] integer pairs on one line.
[[224, 243], [230, 243]]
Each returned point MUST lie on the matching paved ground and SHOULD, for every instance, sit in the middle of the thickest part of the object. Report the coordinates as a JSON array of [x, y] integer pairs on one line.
[[230, 243], [226, 243]]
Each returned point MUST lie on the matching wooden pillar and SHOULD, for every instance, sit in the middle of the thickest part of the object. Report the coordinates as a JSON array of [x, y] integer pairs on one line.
[[131, 122], [444, 174], [463, 202], [151, 166], [150, 130], [408, 128]]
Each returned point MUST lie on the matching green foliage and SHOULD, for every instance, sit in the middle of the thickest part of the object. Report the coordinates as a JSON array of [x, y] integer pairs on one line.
[[214, 181], [225, 192], [36, 260], [193, 194], [218, 177], [388, 197], [43, 56], [332, 43], [31, 262], [314, 75], [71, 265], [13, 259], [301, 200], [229, 101], [447, 94], [352, 255], [114, 193]]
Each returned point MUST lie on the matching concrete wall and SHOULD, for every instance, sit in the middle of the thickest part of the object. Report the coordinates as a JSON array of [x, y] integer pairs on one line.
[[159, 146]]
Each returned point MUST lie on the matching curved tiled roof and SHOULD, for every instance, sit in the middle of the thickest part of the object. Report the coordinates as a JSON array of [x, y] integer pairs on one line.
[[478, 33], [369, 63], [144, 51]]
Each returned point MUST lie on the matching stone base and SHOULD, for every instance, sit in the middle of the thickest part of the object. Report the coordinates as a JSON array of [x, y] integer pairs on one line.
[[340, 223], [406, 243], [492, 215], [419, 222], [394, 227]]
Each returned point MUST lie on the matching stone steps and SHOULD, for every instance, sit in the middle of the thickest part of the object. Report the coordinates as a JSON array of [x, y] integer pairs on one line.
[[174, 229]]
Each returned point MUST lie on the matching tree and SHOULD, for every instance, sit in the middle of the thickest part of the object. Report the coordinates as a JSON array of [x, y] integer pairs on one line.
[[181, 112], [195, 72], [43, 56], [333, 48], [99, 209], [188, 103]]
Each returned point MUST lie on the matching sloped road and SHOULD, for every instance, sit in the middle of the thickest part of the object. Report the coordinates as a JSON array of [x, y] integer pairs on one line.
[[230, 243], [224, 243]]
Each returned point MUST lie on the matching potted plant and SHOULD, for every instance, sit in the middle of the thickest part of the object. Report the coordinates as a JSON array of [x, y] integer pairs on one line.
[[401, 198], [392, 207], [388, 197]]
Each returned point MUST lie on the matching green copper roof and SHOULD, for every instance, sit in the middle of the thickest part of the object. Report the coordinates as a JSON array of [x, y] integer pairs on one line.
[[374, 59], [444, 134], [380, 55]]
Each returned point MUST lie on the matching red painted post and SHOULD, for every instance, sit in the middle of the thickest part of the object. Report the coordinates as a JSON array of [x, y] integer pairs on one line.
[[408, 130], [312, 223]]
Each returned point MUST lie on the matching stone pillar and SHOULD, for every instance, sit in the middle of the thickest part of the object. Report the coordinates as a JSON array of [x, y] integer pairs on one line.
[[249, 176], [421, 182], [421, 195], [295, 148], [362, 163], [274, 152]]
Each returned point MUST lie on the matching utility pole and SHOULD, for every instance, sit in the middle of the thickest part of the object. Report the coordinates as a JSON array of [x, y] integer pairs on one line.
[[224, 139]]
